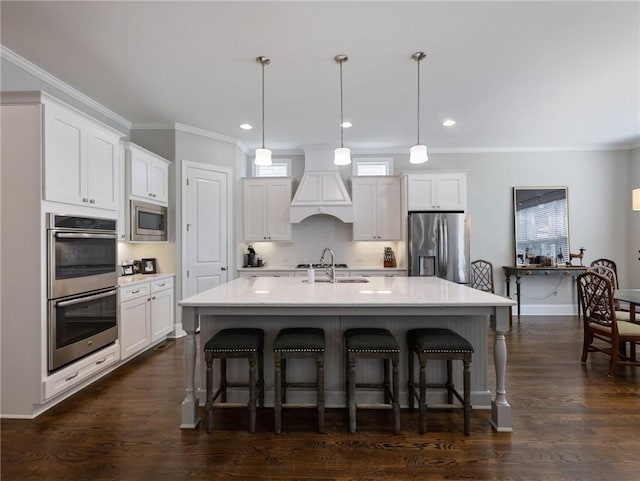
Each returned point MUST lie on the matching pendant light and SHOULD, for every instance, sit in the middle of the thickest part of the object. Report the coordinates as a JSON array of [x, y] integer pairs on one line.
[[418, 153], [342, 155], [263, 156]]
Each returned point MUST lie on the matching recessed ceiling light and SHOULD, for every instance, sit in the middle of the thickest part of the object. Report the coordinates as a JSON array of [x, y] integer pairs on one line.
[[346, 125], [448, 123], [246, 126]]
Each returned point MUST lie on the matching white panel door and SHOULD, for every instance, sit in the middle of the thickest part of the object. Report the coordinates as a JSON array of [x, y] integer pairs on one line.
[[206, 231]]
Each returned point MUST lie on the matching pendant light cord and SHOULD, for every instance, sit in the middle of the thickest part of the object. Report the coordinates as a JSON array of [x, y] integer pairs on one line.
[[262, 104], [418, 114], [341, 110]]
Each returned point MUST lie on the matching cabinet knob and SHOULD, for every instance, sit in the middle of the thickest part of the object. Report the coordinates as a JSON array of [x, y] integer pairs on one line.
[[84, 199], [92, 201], [223, 268]]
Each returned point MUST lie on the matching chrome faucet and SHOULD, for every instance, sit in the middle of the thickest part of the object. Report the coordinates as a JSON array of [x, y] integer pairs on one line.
[[331, 271]]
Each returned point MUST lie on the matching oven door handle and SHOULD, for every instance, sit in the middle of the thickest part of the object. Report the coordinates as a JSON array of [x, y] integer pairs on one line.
[[75, 235], [88, 298]]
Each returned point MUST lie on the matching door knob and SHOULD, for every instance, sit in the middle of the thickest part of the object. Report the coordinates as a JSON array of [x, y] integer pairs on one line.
[[223, 268]]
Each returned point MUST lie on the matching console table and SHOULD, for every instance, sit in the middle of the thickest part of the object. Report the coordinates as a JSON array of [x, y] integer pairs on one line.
[[519, 272]]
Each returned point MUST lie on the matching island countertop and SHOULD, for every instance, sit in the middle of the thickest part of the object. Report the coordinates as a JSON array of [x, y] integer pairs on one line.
[[396, 303], [378, 291]]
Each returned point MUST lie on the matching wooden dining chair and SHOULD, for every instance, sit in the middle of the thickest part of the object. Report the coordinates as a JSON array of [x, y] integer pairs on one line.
[[613, 279], [603, 332], [611, 265]]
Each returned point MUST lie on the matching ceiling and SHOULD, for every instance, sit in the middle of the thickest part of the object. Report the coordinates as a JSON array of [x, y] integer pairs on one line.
[[514, 75]]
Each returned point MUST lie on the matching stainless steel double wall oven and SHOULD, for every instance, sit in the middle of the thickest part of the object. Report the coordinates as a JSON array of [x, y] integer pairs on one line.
[[81, 286]]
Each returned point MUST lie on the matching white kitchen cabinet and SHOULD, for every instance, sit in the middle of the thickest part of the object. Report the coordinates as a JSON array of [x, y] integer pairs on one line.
[[161, 308], [135, 316], [81, 164], [147, 175], [379, 273], [146, 314], [266, 209], [122, 201], [377, 214], [441, 191], [270, 273]]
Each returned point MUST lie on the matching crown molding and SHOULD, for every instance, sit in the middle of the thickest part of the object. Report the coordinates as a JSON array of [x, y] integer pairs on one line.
[[31, 68], [498, 150], [188, 129]]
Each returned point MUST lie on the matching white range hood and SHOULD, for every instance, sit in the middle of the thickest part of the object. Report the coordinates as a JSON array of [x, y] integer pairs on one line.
[[321, 189]]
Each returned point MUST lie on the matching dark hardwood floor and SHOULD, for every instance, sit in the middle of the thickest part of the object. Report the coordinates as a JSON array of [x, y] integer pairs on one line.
[[571, 422]]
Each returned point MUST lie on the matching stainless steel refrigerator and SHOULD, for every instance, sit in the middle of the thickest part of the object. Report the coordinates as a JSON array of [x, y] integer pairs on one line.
[[439, 245]]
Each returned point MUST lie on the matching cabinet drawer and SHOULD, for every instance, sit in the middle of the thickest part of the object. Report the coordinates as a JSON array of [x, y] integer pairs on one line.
[[81, 370], [135, 291], [162, 284]]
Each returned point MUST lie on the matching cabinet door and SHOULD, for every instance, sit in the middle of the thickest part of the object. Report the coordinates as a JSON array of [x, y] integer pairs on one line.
[[452, 191], [159, 181], [134, 326], [103, 170], [278, 204], [421, 192], [63, 156], [255, 219], [139, 170], [388, 209], [161, 314], [122, 201], [363, 193]]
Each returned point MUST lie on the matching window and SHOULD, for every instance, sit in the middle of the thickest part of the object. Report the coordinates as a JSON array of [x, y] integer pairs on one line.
[[278, 168], [373, 166]]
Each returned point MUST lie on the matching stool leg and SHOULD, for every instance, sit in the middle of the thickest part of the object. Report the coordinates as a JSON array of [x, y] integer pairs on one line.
[[320, 396], [252, 393], [209, 384], [351, 390], [411, 391], [223, 379], [467, 395], [277, 388], [449, 382], [261, 377], [396, 393], [387, 383], [422, 402], [283, 386]]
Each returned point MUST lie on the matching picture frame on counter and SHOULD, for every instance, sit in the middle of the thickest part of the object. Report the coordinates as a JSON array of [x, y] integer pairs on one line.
[[148, 266], [126, 270]]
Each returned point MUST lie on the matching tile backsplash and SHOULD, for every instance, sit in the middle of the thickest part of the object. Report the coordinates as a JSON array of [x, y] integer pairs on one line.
[[315, 233]]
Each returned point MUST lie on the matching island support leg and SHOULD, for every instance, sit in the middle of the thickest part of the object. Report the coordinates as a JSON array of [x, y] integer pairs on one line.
[[500, 408], [190, 405]]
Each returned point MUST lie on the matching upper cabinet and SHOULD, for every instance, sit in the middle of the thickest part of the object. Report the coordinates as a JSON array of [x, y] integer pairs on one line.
[[437, 191], [377, 211], [148, 175], [81, 164], [266, 209]]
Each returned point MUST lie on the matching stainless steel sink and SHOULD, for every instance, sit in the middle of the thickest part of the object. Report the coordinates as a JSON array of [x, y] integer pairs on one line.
[[344, 280]]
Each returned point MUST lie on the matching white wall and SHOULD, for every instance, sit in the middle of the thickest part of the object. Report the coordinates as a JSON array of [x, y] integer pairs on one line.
[[633, 258]]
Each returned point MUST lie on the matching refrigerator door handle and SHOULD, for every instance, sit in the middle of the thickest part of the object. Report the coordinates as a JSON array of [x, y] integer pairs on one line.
[[440, 249], [445, 248]]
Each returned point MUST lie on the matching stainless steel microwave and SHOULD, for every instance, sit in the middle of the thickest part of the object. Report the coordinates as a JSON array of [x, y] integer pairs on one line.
[[148, 222]]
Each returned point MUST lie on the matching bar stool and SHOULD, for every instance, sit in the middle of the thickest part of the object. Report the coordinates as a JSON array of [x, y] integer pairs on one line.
[[299, 342], [235, 343], [373, 343], [439, 343]]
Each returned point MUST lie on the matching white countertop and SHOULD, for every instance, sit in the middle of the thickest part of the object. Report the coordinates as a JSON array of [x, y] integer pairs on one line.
[[303, 269], [137, 278], [379, 291]]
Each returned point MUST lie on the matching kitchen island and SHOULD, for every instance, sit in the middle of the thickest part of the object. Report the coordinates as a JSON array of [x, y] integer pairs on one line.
[[395, 303]]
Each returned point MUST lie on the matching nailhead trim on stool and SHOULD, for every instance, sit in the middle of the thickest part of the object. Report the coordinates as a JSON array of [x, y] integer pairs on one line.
[[372, 343], [235, 343], [298, 342], [438, 343]]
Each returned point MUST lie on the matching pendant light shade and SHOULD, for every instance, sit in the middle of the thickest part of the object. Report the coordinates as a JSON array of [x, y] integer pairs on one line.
[[342, 155], [263, 156], [635, 199], [418, 153]]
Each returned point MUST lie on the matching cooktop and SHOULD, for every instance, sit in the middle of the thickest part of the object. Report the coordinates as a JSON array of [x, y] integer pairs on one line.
[[320, 266]]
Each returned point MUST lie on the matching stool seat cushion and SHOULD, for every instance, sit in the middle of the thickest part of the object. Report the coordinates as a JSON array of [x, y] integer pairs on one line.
[[299, 339], [370, 339], [437, 340], [236, 340]]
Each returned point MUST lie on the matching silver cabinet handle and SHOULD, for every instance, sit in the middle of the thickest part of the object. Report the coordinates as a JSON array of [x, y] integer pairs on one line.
[[135, 292], [69, 378]]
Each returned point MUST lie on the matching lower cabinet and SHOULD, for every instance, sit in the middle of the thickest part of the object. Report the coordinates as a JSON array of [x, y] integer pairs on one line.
[[146, 314]]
